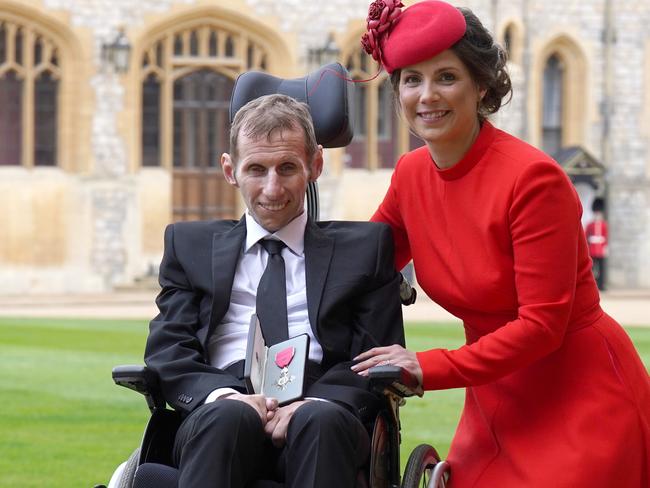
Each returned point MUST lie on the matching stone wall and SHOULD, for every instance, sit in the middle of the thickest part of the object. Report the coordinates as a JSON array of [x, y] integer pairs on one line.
[[110, 240]]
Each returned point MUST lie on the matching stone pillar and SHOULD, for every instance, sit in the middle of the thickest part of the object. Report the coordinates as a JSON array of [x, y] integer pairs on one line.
[[112, 195], [110, 189]]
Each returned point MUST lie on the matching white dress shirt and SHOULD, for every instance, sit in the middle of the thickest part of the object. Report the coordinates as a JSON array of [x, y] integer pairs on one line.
[[227, 344]]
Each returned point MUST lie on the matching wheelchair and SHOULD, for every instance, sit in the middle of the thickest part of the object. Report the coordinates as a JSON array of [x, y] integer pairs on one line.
[[150, 465], [327, 93]]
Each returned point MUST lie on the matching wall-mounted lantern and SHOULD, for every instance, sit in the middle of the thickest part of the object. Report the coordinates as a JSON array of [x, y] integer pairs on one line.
[[117, 52]]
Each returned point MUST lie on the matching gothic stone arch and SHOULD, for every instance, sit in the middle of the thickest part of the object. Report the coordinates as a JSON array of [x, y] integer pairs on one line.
[[194, 44], [575, 89]]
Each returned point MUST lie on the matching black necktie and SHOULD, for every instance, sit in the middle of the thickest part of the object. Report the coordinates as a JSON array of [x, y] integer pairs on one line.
[[271, 303]]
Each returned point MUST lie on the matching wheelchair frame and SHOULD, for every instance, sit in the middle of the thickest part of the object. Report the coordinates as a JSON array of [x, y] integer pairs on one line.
[[394, 384]]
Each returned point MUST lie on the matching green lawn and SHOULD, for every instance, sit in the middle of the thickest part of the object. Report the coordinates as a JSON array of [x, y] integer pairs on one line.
[[64, 424]]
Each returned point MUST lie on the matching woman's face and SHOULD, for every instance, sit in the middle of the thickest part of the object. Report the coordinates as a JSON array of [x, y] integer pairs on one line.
[[439, 100]]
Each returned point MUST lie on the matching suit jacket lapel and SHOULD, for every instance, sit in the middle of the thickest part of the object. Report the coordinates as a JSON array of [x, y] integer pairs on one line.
[[318, 254], [226, 249]]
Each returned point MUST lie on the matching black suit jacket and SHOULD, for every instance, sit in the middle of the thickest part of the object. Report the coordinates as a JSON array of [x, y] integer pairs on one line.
[[352, 297]]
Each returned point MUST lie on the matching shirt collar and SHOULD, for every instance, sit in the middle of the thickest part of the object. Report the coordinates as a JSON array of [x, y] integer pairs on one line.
[[292, 234]]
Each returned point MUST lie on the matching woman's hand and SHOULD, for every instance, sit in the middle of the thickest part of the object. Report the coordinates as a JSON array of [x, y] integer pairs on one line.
[[394, 355]]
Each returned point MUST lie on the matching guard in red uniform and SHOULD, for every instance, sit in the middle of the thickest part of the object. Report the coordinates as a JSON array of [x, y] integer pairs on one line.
[[597, 234]]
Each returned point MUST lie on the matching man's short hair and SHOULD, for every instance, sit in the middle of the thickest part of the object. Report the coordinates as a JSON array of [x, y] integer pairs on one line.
[[263, 116]]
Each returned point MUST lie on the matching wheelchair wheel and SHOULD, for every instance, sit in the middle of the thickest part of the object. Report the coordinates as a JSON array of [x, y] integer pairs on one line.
[[424, 469], [128, 474]]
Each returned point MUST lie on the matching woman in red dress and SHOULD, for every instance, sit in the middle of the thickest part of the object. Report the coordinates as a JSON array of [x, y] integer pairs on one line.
[[556, 395]]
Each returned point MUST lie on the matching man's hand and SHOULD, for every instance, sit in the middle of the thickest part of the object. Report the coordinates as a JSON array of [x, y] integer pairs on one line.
[[266, 407], [277, 426]]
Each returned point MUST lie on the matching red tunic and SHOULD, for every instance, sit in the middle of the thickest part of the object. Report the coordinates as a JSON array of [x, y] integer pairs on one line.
[[596, 232], [556, 394]]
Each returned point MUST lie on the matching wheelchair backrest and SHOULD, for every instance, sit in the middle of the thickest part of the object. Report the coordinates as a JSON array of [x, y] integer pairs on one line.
[[326, 92]]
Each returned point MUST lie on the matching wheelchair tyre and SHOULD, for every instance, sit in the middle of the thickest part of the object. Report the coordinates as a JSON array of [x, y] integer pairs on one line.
[[421, 469], [128, 475]]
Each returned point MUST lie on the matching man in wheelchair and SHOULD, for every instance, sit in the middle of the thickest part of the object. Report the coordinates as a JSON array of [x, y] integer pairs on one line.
[[341, 289]]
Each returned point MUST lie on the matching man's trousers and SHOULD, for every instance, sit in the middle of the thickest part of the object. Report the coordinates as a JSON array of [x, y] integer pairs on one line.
[[223, 444]]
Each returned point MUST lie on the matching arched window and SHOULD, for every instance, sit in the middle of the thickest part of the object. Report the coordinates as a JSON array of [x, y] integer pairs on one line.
[[559, 92], [201, 123], [512, 40], [187, 78], [552, 105], [379, 135], [29, 96]]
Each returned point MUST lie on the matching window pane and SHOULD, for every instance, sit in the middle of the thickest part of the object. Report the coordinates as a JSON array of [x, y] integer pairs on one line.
[[355, 152], [3, 43], [194, 44], [552, 106], [178, 131], [387, 126], [38, 52], [553, 93], [159, 54], [218, 116], [230, 47], [10, 119], [249, 56], [212, 135], [201, 122], [385, 107], [151, 122], [178, 45], [360, 113], [185, 138], [212, 49], [185, 121], [192, 136], [364, 61], [45, 115], [19, 46]]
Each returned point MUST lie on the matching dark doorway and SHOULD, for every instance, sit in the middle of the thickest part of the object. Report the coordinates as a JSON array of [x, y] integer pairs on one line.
[[201, 125]]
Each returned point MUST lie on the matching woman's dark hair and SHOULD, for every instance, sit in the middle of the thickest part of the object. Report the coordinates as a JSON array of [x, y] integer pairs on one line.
[[486, 62]]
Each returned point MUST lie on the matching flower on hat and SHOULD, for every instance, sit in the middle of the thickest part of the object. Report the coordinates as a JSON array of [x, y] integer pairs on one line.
[[381, 16], [375, 9], [397, 38]]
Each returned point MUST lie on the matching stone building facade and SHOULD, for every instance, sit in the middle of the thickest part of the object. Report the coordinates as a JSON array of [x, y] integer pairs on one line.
[[96, 162]]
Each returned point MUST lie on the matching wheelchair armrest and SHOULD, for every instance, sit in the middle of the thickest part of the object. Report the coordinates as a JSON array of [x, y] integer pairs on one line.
[[139, 378], [396, 378], [407, 293]]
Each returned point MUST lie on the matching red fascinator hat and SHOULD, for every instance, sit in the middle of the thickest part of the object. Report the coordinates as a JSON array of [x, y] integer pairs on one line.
[[397, 38]]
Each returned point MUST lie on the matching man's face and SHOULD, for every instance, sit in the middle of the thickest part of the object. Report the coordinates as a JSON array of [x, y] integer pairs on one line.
[[272, 176]]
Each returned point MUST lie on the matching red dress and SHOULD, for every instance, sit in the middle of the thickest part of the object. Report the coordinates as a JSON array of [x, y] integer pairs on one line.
[[556, 394]]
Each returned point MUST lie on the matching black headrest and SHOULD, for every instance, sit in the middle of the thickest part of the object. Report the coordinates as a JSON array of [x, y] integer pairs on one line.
[[325, 91]]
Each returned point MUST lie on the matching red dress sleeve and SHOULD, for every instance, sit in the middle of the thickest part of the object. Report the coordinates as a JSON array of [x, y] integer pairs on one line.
[[389, 213], [544, 223]]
